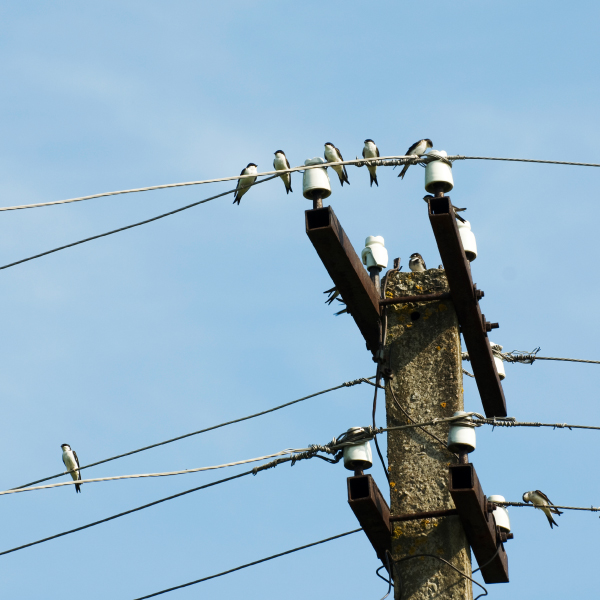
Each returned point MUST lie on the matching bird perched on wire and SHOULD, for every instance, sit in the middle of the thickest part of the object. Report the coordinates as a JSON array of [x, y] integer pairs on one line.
[[371, 151], [416, 263], [541, 501], [456, 209], [281, 162], [417, 149], [71, 461], [243, 184], [333, 294], [332, 154]]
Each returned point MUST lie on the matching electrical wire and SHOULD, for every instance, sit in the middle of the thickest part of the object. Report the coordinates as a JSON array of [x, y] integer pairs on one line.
[[528, 358], [181, 437], [383, 161], [127, 512], [277, 173], [162, 216], [251, 564], [524, 504], [143, 475]]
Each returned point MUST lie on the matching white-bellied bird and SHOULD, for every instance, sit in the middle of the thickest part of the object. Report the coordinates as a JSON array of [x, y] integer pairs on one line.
[[417, 149], [371, 151], [72, 463], [541, 501], [332, 154], [281, 162], [243, 184]]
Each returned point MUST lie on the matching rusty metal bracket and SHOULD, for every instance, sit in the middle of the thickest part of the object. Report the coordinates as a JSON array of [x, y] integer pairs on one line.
[[347, 272], [479, 523], [429, 514], [373, 513], [422, 298], [465, 297]]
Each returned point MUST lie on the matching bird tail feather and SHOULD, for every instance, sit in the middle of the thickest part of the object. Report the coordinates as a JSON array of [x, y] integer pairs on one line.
[[403, 172]]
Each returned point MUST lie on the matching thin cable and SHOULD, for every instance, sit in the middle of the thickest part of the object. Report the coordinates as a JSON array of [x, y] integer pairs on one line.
[[251, 564], [528, 357], [485, 592], [95, 237], [489, 561], [528, 160], [127, 512], [510, 422], [384, 161], [143, 475], [358, 162], [181, 437], [523, 504]]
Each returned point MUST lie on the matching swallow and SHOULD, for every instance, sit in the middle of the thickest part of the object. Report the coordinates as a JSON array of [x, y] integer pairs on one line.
[[541, 501], [281, 162], [333, 294], [243, 184], [371, 151], [332, 154], [71, 462], [416, 263], [417, 149]]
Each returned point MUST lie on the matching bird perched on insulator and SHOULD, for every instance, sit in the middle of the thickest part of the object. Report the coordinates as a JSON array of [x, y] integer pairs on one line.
[[281, 162], [243, 184], [332, 154], [417, 149], [371, 151], [416, 263], [71, 461], [541, 501]]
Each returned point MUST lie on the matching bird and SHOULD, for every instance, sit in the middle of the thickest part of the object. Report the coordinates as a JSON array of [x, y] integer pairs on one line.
[[416, 263], [456, 209], [371, 151], [332, 154], [281, 162], [541, 501], [71, 462], [243, 184], [417, 149], [333, 294]]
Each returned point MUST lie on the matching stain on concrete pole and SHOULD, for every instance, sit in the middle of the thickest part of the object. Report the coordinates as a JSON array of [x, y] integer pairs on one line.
[[424, 354]]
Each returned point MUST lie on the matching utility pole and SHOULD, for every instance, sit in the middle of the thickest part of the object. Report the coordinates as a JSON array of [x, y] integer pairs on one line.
[[423, 382]]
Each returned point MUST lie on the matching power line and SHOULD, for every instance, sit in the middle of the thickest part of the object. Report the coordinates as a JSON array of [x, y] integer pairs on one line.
[[219, 180], [251, 564], [523, 504], [127, 512], [143, 475], [383, 161], [528, 357], [95, 237], [181, 437]]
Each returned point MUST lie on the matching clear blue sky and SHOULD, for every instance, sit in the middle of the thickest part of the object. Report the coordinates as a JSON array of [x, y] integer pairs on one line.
[[218, 312]]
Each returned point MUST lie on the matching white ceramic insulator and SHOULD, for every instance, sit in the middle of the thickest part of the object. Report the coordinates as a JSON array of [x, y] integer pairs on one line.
[[500, 513], [438, 172], [500, 367], [461, 438], [316, 179], [467, 237], [359, 456], [498, 361], [374, 254]]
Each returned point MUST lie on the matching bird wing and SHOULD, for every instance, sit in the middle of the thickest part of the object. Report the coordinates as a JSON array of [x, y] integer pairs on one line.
[[364, 153], [544, 496], [274, 164], [377, 151], [77, 461], [339, 153], [412, 148], [287, 162], [239, 180]]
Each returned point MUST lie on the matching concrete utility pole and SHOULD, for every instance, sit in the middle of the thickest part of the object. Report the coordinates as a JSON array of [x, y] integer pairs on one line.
[[423, 355]]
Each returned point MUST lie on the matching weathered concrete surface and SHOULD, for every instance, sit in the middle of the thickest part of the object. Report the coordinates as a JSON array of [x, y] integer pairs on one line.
[[423, 351]]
